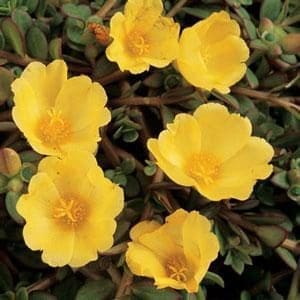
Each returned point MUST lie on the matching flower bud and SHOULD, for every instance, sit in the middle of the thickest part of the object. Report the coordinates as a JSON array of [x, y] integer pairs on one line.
[[291, 43]]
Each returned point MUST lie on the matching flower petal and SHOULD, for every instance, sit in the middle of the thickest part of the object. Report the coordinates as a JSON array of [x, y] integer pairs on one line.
[[91, 237], [40, 231], [45, 81], [142, 228], [163, 41], [142, 14], [239, 173], [137, 254], [223, 133], [172, 171]]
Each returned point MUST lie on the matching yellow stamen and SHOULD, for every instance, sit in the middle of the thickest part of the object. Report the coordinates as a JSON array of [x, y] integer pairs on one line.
[[203, 167], [137, 43], [53, 128], [176, 269], [70, 211]]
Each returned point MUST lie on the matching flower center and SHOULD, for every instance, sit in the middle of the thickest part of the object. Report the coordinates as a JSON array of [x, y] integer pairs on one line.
[[176, 268], [53, 129], [137, 43], [70, 211], [204, 167]]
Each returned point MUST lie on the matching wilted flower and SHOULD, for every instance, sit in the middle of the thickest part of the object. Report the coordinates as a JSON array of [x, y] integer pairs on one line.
[[142, 37], [70, 209], [211, 53], [213, 151], [55, 113], [176, 254]]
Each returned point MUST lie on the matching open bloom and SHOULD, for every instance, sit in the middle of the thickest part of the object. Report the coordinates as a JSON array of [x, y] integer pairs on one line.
[[176, 254], [142, 37], [55, 113], [213, 151], [211, 53], [70, 209]]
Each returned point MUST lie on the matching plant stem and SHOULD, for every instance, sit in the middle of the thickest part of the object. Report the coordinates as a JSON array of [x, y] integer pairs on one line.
[[109, 149], [7, 126], [126, 281], [106, 7], [176, 8], [42, 284], [115, 250], [285, 102], [291, 245]]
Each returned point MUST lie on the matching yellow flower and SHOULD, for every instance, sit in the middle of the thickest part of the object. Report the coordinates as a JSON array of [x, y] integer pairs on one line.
[[70, 209], [55, 113], [212, 54], [176, 254], [213, 151], [142, 37]]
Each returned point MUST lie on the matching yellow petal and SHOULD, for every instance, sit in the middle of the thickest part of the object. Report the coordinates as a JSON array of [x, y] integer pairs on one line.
[[216, 27], [164, 282], [198, 240], [172, 171], [240, 172], [40, 232], [190, 62], [45, 81], [67, 173], [226, 63], [137, 255], [142, 14], [142, 228], [163, 41], [59, 249], [160, 243], [118, 52], [171, 141], [223, 134], [91, 237]]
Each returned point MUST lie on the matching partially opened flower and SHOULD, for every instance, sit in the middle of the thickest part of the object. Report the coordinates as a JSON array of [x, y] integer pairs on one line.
[[56, 113], [176, 254], [211, 53], [70, 209], [213, 151], [142, 37]]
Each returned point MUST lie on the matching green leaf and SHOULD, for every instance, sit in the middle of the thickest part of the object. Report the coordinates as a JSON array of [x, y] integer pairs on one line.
[[287, 257], [13, 36], [271, 235], [27, 171], [55, 48], [11, 201], [31, 5], [81, 12], [132, 188], [22, 19], [252, 79], [37, 44], [245, 295], [102, 289], [294, 193], [215, 278], [38, 295], [22, 294], [128, 166], [6, 279], [130, 136], [143, 292], [281, 179], [270, 9]]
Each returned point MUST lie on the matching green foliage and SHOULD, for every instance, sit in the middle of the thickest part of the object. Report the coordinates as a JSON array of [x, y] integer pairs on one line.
[[259, 249]]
